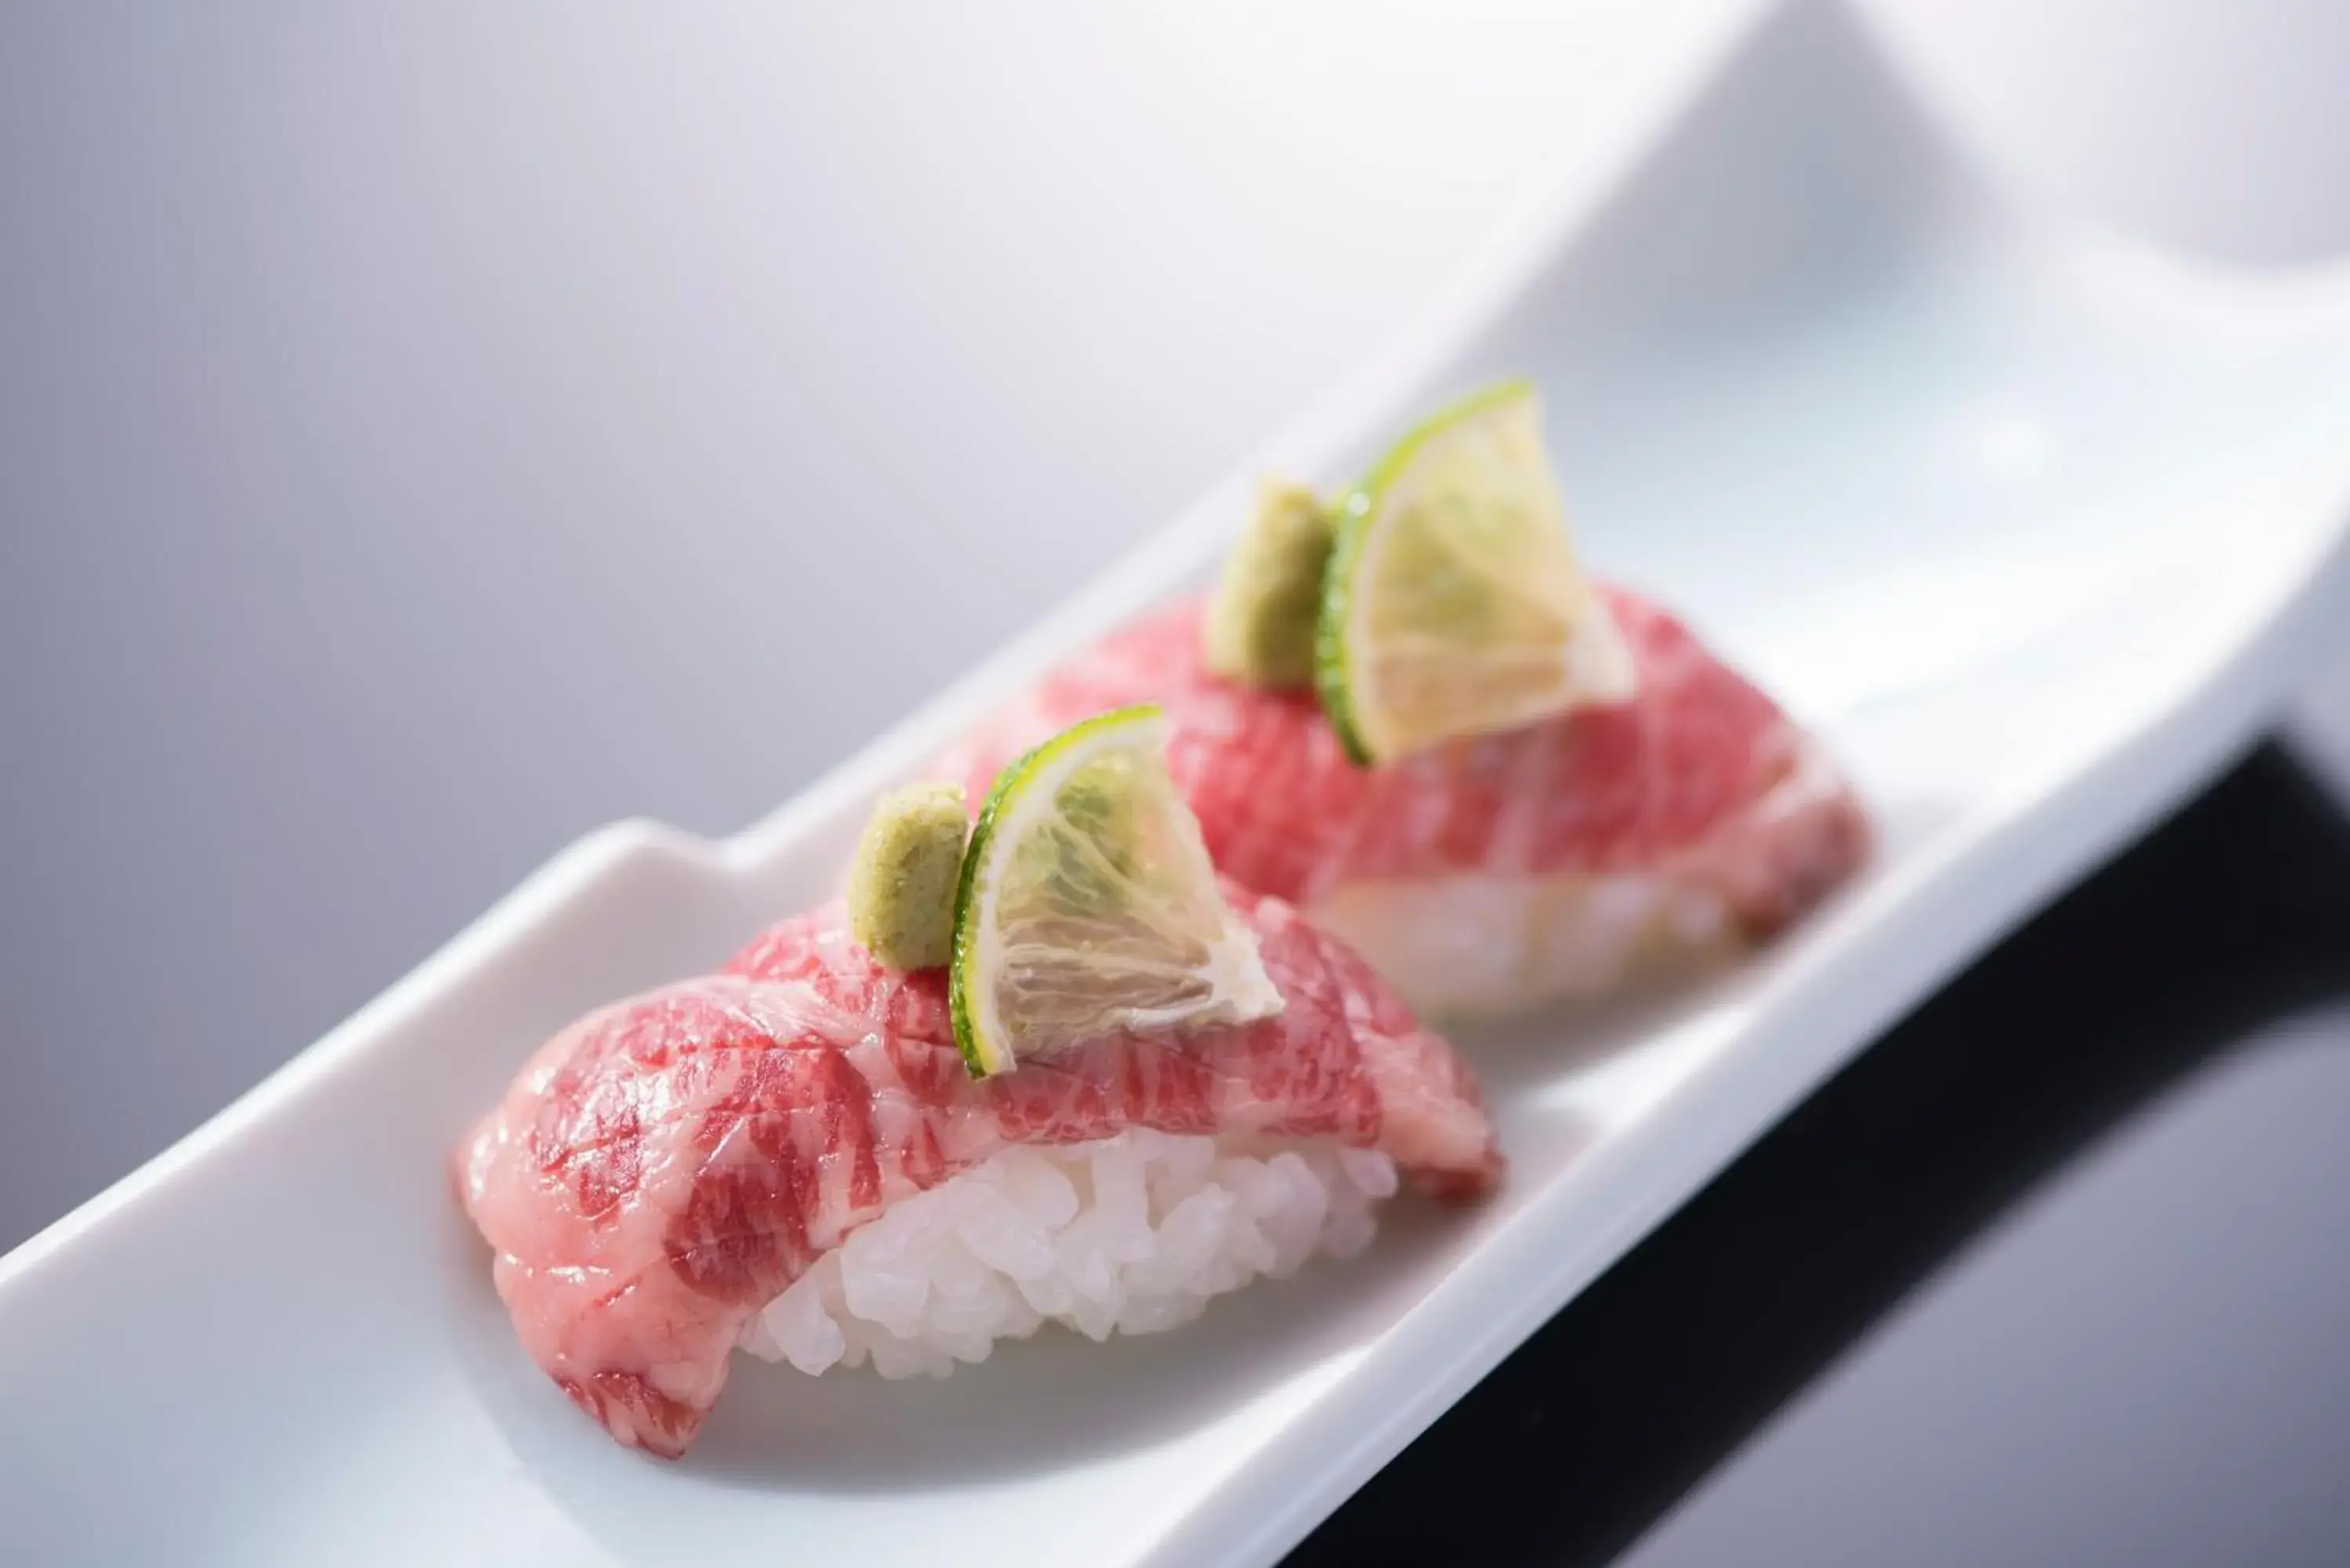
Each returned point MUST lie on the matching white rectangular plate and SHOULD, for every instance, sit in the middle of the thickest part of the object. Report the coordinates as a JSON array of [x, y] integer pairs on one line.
[[2031, 525]]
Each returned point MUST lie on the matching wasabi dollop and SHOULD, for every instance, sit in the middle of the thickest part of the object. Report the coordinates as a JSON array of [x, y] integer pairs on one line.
[[901, 885], [1260, 624]]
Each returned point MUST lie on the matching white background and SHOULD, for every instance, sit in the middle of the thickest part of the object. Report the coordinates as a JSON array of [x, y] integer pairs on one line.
[[427, 433]]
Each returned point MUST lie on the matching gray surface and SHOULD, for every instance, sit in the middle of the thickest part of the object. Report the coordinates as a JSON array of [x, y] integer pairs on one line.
[[2114, 1375], [425, 438], [425, 435]]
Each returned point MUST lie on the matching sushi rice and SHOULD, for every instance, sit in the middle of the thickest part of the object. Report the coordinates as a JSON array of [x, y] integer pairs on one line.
[[1131, 1235], [1472, 946]]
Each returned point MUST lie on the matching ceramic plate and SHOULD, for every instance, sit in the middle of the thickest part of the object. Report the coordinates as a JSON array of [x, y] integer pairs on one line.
[[2031, 524]]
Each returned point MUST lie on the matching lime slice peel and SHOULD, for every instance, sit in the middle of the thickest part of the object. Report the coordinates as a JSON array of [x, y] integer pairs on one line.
[[1088, 903], [1452, 604]]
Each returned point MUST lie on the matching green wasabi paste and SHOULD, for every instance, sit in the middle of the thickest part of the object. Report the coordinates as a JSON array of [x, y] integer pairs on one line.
[[901, 885], [1260, 624]]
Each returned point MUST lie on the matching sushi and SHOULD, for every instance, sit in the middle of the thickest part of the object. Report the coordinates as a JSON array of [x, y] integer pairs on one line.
[[790, 1155], [1408, 710], [1493, 873]]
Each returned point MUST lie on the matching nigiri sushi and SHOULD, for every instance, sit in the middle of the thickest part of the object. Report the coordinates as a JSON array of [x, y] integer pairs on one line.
[[1499, 872], [1410, 712], [790, 1155]]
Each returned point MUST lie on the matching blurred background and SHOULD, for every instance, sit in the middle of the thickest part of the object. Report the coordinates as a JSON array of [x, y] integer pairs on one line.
[[429, 433]]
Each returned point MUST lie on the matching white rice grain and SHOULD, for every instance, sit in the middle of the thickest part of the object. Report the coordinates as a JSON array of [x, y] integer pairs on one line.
[[1133, 1234]]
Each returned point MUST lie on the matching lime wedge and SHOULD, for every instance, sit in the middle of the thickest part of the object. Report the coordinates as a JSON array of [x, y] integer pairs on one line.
[[1089, 904], [1453, 604]]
